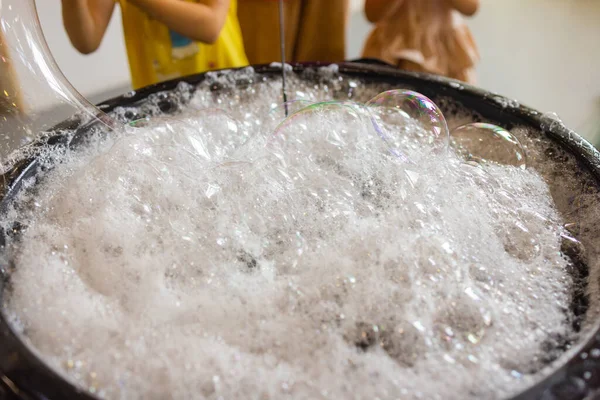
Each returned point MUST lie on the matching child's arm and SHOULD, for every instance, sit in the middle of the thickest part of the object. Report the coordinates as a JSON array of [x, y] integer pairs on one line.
[[376, 10], [86, 21], [201, 21], [465, 7]]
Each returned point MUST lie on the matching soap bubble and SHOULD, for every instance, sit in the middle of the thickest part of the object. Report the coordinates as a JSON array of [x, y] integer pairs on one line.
[[482, 142], [316, 141], [466, 317], [519, 242], [316, 149], [334, 119], [36, 95], [519, 232], [272, 117], [404, 343], [277, 113], [406, 115], [277, 131], [339, 123]]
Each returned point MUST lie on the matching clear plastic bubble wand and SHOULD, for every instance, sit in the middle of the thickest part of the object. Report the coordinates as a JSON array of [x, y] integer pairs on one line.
[[40, 96]]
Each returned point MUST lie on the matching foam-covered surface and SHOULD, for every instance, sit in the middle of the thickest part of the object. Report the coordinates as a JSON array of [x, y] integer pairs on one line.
[[206, 257]]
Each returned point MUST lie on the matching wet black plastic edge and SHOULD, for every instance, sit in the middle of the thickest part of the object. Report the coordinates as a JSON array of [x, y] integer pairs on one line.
[[23, 369]]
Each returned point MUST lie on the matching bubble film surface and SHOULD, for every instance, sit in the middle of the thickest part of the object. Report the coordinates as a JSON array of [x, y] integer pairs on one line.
[[482, 142], [405, 115], [207, 255], [277, 112]]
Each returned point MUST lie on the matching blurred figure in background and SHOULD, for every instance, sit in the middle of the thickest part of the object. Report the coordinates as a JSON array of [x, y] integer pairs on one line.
[[11, 101], [164, 39], [423, 35], [315, 30]]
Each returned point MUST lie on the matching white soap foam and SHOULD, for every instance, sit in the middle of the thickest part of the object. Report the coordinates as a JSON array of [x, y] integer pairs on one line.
[[308, 264]]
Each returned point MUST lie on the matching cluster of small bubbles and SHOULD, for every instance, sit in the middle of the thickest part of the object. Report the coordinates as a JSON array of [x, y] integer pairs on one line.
[[478, 176], [207, 135], [205, 254]]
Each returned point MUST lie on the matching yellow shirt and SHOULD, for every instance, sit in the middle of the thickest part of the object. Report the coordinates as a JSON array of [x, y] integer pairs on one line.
[[157, 54]]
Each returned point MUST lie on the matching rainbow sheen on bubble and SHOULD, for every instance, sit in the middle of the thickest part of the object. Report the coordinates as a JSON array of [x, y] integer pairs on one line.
[[405, 115], [488, 143], [279, 112], [292, 106], [332, 115]]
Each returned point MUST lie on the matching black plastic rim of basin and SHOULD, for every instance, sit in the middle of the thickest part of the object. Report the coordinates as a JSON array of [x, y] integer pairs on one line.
[[24, 376]]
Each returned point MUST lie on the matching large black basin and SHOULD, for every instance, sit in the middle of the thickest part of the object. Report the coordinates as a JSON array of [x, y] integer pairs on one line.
[[24, 376]]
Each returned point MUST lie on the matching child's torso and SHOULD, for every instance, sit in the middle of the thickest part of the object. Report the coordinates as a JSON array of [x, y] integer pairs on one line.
[[156, 53], [428, 33]]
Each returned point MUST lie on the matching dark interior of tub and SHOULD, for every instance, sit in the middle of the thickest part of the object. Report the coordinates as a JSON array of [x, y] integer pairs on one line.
[[25, 376]]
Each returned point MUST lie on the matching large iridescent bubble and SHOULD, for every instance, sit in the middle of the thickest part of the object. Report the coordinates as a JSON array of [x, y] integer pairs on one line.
[[341, 123], [482, 142], [405, 115]]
